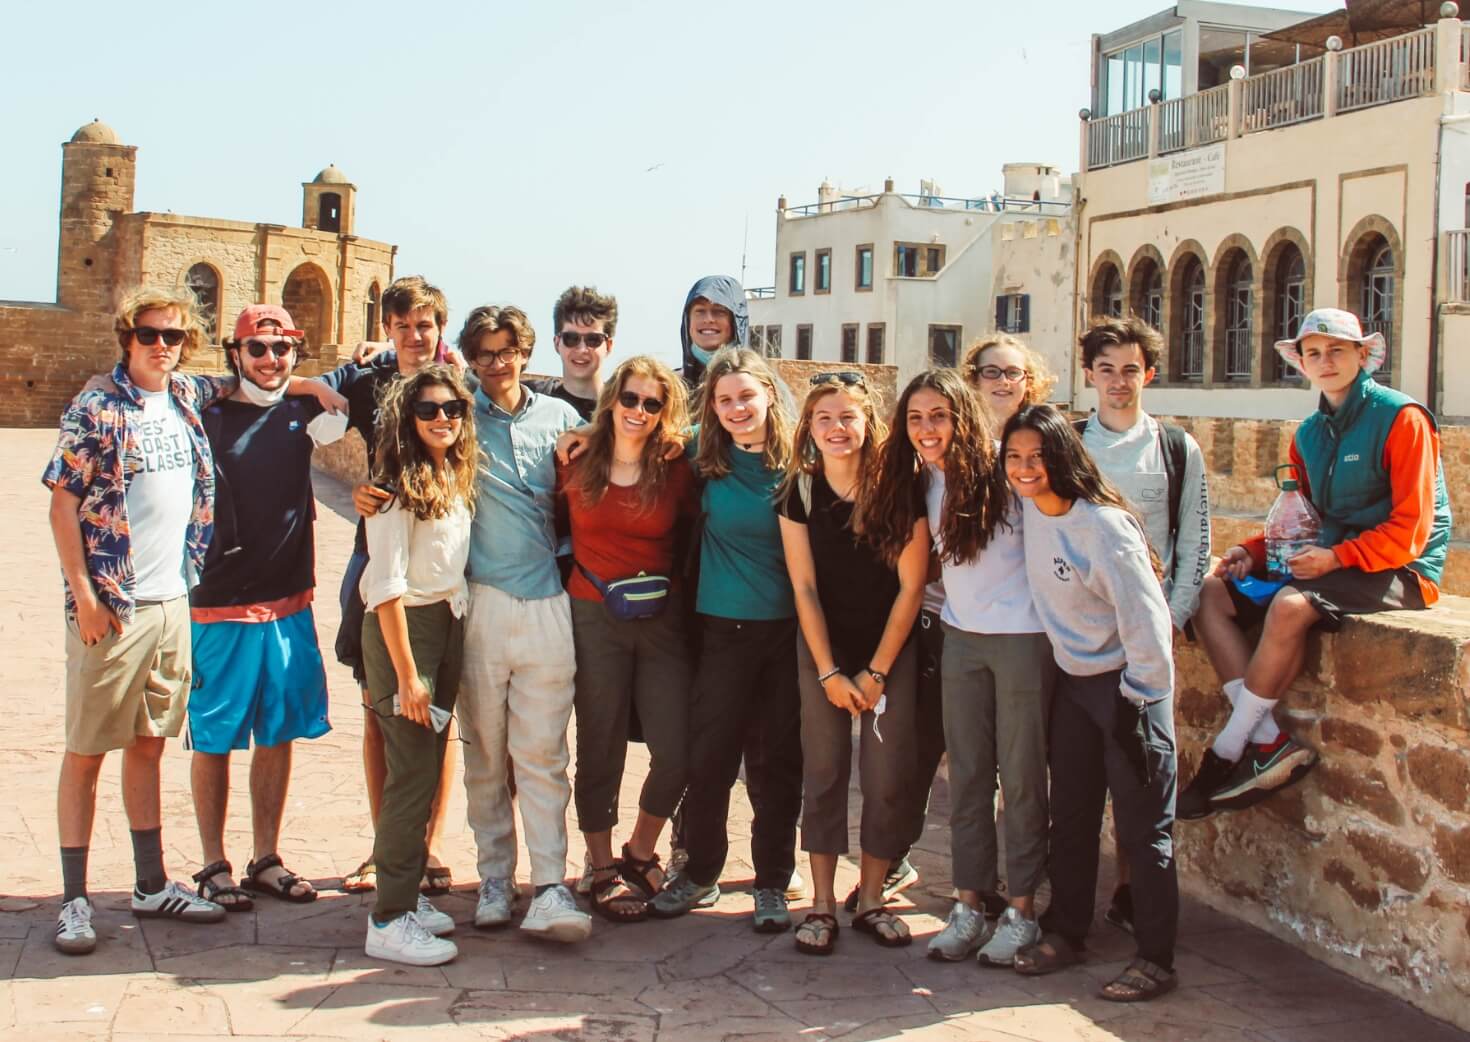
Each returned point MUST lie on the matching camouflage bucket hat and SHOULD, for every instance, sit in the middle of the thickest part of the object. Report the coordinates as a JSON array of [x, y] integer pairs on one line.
[[1340, 325]]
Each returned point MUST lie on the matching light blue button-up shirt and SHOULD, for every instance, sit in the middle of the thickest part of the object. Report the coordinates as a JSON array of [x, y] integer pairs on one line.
[[513, 540]]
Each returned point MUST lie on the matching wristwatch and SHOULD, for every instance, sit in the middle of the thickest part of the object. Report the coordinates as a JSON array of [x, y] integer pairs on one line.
[[881, 678]]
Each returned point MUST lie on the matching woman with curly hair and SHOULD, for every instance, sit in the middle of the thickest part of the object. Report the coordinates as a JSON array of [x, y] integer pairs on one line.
[[625, 500], [856, 658], [413, 637]]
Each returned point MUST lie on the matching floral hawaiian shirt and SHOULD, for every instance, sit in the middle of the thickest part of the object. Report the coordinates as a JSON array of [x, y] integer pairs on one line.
[[96, 456]]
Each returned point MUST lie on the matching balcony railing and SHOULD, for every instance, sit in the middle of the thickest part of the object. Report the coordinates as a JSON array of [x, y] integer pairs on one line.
[[1282, 97], [991, 204], [1118, 139], [760, 293], [1455, 267], [1192, 354], [1465, 57], [1389, 70], [1193, 120]]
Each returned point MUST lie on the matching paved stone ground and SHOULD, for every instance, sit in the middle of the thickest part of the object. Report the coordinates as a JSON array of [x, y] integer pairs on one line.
[[286, 972]]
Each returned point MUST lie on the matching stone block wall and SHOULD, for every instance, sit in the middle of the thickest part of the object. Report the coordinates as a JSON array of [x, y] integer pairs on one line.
[[46, 354]]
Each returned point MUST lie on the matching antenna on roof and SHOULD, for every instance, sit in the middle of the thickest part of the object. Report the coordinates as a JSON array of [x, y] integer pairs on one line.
[[744, 246]]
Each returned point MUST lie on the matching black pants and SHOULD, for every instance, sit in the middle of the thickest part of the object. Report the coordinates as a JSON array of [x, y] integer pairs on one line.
[[1088, 763], [745, 694], [928, 721]]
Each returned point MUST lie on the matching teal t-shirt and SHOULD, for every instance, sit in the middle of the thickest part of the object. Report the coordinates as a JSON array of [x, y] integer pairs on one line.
[[742, 568]]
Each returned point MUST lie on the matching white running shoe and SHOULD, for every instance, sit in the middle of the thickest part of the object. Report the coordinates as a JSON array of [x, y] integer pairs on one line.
[[176, 901], [964, 931], [430, 918], [584, 881], [1012, 933], [74, 933], [497, 899], [555, 916], [795, 886], [405, 940]]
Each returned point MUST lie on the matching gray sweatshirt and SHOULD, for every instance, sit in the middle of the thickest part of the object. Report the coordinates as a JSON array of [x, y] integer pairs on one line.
[[1133, 461], [1098, 598]]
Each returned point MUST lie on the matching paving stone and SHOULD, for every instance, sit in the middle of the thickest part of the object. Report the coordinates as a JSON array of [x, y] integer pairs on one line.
[[163, 1007]]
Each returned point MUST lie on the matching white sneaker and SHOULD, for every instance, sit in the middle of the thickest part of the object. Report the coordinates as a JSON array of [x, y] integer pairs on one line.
[[430, 918], [497, 898], [964, 931], [74, 933], [176, 901], [795, 886], [1012, 933], [584, 881], [555, 916], [405, 940]]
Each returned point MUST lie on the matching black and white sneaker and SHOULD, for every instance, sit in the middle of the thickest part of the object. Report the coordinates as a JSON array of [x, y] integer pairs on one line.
[[176, 901], [901, 875], [1263, 770], [1194, 801], [74, 933]]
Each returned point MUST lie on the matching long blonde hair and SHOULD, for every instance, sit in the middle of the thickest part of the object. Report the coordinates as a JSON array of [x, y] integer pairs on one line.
[[1039, 377], [594, 465], [806, 458], [424, 487], [713, 458]]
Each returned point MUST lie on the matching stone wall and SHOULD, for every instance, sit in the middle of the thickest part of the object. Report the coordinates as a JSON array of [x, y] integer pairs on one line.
[[46, 354]]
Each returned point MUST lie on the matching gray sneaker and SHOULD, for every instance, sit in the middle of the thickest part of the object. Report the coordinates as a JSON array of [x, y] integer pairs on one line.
[[497, 898], [771, 915], [681, 895], [964, 931], [74, 933], [1012, 933]]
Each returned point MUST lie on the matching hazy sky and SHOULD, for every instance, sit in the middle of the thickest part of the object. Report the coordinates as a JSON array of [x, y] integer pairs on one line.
[[511, 152]]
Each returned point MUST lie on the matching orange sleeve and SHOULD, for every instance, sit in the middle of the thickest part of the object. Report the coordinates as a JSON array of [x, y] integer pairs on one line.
[[1256, 544], [1411, 455]]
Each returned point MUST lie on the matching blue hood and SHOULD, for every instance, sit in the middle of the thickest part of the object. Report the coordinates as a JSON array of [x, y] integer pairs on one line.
[[730, 295]]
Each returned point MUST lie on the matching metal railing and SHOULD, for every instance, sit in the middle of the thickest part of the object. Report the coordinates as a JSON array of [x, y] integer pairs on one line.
[[1455, 265], [1389, 70], [995, 203], [1465, 56], [1282, 97], [760, 293], [1117, 139], [1194, 120]]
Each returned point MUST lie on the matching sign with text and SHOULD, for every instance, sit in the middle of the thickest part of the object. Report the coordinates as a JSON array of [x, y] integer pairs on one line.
[[1186, 175]]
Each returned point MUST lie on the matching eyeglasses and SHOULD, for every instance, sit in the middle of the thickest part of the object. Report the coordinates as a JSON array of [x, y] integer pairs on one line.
[[258, 348], [845, 377], [454, 409], [592, 340], [148, 336], [438, 718], [1011, 373], [505, 356], [630, 400]]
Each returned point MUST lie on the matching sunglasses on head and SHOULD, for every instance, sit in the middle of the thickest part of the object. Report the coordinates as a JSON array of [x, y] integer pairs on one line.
[[279, 348], [592, 340], [148, 336], [632, 400], [454, 409], [845, 377]]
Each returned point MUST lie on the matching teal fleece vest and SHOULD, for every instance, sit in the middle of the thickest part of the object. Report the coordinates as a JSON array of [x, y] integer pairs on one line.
[[1349, 483]]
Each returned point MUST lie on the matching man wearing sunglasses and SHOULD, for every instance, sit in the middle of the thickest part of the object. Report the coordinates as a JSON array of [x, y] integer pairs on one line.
[[257, 667], [585, 321]]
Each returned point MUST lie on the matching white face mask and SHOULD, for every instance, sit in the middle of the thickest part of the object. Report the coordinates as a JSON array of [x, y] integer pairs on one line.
[[257, 395]]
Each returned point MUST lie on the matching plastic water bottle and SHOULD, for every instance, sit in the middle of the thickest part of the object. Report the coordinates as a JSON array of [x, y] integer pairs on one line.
[[1292, 525]]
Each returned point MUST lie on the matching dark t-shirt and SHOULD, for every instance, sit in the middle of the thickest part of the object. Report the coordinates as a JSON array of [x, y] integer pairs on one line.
[[553, 387], [856, 588], [263, 508]]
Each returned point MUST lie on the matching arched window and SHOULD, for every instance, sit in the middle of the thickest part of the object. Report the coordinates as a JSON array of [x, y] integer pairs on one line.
[[1291, 290], [307, 296], [202, 281], [1192, 321], [329, 212], [1153, 298], [1110, 298], [1377, 299], [371, 319], [1238, 305]]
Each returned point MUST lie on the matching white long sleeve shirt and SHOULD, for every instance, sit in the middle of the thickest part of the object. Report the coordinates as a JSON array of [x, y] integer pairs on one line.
[[421, 561]]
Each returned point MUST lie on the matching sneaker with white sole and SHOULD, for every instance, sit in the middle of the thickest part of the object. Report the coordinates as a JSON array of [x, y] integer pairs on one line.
[[176, 901], [964, 931], [771, 912], [430, 918], [1012, 933], [496, 902], [795, 886], [682, 894], [584, 881], [74, 933], [1263, 770], [554, 915], [405, 940]]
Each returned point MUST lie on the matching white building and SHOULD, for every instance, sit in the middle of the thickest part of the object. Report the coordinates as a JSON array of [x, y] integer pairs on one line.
[[910, 280]]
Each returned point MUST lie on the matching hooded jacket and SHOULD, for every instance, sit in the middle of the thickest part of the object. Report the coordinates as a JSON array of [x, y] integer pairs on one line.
[[728, 294]]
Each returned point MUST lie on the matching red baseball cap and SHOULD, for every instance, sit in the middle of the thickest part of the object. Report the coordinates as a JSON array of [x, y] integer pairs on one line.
[[257, 315]]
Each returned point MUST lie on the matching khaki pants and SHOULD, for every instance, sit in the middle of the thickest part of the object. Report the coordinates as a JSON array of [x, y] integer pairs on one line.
[[516, 697]]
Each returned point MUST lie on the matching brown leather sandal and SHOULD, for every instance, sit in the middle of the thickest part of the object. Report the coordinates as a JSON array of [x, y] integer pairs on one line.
[[814, 922], [615, 900], [1142, 981], [639, 873], [1035, 961], [883, 926]]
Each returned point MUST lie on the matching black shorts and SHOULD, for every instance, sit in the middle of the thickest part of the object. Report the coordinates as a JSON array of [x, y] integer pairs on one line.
[[1347, 591]]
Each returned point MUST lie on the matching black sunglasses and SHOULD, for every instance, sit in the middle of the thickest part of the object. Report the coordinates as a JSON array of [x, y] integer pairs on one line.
[[454, 409], [280, 348], [845, 377], [592, 340], [148, 336], [630, 400]]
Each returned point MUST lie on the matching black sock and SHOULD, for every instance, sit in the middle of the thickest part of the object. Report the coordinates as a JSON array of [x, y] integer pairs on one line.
[[543, 888], [148, 859], [73, 873]]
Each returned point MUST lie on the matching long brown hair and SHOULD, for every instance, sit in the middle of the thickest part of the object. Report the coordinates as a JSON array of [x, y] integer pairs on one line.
[[976, 496], [429, 490], [594, 465], [806, 458], [712, 461]]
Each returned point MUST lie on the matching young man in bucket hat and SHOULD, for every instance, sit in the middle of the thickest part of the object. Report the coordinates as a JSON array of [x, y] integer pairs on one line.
[[1368, 460]]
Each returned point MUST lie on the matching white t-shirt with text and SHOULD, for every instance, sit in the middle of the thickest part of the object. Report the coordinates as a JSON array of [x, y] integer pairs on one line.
[[160, 500]]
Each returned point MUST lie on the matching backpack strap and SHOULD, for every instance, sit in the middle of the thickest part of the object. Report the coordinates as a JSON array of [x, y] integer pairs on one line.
[[1174, 445], [1081, 425], [597, 584]]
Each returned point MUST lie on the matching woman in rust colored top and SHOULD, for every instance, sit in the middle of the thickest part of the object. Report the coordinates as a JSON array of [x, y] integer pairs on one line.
[[626, 503]]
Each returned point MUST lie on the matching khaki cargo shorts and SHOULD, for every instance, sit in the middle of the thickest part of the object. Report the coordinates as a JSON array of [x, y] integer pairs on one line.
[[131, 683]]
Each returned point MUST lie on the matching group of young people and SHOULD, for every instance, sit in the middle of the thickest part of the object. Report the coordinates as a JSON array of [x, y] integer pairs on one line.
[[690, 559]]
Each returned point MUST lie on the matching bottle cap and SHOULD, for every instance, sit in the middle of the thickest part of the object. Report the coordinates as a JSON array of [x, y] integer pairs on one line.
[[1288, 485]]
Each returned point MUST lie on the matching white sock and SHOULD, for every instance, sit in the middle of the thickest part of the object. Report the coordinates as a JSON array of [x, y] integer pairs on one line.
[[1249, 709], [1266, 731], [1232, 689]]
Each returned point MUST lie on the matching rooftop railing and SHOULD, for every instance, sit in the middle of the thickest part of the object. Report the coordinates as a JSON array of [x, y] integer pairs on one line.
[[1117, 139], [1455, 267], [1282, 97], [760, 292], [995, 203], [1389, 70], [1193, 120]]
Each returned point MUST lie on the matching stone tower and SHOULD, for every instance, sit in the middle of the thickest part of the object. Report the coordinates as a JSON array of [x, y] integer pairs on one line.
[[98, 174], [327, 202]]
